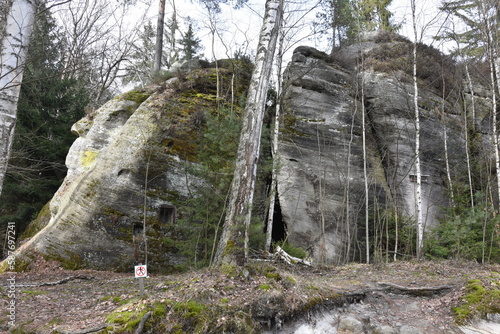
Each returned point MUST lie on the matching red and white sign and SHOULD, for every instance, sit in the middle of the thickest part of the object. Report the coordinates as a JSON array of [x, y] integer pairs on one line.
[[141, 271]]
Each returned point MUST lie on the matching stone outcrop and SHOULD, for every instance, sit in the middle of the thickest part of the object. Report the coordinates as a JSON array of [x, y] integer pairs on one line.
[[132, 162], [321, 186], [96, 217]]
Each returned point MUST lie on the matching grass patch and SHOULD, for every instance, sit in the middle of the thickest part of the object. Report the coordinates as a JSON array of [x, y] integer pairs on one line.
[[34, 292]]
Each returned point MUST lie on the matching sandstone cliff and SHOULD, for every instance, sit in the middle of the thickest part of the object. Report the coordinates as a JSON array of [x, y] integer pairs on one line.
[[321, 181], [136, 159]]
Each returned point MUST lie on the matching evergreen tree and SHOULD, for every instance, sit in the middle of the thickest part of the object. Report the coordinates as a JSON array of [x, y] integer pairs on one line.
[[159, 37], [374, 15], [190, 44], [336, 17], [345, 19], [48, 106]]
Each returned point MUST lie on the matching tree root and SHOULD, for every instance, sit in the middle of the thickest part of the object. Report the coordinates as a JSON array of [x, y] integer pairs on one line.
[[414, 292], [86, 330], [140, 328]]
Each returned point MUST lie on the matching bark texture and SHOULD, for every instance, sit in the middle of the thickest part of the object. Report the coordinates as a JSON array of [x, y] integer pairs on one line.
[[233, 244], [159, 36], [14, 45]]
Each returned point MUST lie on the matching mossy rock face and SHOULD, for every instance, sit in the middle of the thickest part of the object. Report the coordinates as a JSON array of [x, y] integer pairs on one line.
[[138, 96], [135, 163], [38, 224]]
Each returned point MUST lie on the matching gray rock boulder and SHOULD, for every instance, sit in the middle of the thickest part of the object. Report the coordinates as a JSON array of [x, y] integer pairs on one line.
[[349, 324]]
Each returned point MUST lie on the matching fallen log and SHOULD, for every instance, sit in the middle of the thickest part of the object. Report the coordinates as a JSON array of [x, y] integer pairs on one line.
[[281, 254]]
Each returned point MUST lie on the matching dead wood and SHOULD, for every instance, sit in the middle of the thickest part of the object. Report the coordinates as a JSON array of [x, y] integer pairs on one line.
[[280, 253], [64, 280]]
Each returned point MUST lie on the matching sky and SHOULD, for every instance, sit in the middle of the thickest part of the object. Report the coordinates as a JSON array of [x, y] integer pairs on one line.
[[241, 27], [238, 30]]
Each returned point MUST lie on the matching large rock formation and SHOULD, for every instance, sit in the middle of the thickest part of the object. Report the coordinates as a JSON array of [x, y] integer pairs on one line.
[[133, 160], [321, 186], [131, 165]]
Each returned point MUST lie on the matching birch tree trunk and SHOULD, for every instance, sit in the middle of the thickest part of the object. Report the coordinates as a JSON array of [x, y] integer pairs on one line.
[[274, 181], [492, 55], [233, 245], [418, 194], [18, 28], [466, 132], [365, 170]]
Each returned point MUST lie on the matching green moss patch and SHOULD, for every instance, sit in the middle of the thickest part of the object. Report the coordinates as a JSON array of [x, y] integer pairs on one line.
[[138, 96], [39, 223], [482, 297]]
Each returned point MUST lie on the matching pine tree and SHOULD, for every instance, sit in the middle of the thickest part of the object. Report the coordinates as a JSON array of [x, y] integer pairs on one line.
[[336, 17], [159, 36], [375, 15], [190, 44]]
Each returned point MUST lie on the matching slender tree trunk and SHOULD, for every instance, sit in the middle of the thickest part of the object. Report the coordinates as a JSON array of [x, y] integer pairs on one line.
[[494, 73], [274, 181], [233, 245], [365, 173], [447, 160], [418, 195], [445, 140], [466, 125], [159, 36], [14, 46], [173, 28]]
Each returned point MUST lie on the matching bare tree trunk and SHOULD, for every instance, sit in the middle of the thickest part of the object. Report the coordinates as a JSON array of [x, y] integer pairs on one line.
[[15, 41], [173, 28], [159, 36], [445, 140], [467, 154], [365, 172], [274, 181], [446, 159], [494, 72], [233, 245], [418, 195]]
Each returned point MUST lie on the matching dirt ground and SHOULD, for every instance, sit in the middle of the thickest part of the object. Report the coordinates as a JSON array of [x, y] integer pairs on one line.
[[50, 299]]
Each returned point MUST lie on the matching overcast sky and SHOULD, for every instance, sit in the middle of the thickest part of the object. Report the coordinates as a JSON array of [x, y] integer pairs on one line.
[[240, 28]]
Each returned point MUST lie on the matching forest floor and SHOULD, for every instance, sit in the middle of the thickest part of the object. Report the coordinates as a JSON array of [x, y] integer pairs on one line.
[[50, 299]]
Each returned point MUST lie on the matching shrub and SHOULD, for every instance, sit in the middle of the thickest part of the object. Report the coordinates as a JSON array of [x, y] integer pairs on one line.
[[469, 234]]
